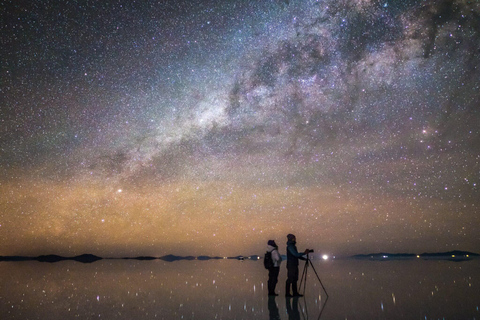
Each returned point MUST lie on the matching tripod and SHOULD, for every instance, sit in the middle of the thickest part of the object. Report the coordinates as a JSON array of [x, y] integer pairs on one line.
[[303, 279]]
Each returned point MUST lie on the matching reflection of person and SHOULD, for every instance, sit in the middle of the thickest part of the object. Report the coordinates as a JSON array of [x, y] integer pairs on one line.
[[292, 266], [273, 272], [273, 313], [292, 310]]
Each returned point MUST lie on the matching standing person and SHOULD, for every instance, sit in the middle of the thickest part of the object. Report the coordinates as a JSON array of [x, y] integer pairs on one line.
[[292, 266], [275, 269]]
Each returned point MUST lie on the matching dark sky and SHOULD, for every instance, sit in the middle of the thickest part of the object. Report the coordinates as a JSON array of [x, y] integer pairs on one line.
[[209, 127]]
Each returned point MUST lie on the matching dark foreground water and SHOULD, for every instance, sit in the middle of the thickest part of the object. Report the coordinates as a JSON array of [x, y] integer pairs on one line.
[[232, 289]]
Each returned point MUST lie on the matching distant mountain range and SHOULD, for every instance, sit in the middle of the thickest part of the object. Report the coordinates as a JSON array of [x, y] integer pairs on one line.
[[455, 255], [89, 258], [85, 258]]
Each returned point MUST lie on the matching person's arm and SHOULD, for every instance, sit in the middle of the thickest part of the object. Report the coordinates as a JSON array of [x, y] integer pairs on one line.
[[276, 256], [293, 251], [299, 255]]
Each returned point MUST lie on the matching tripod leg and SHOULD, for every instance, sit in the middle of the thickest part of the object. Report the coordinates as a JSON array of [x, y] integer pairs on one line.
[[319, 280], [303, 279]]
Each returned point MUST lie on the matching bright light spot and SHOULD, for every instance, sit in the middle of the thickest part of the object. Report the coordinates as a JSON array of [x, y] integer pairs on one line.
[[119, 190], [325, 257]]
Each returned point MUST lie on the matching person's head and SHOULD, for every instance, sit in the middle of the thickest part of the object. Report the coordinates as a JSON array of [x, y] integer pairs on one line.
[[291, 237], [272, 243]]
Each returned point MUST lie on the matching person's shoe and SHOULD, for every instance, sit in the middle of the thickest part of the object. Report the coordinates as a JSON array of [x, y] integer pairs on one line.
[[273, 294], [288, 295], [298, 295]]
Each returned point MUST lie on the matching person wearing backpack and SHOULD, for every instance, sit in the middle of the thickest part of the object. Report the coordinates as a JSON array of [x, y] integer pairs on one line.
[[272, 263]]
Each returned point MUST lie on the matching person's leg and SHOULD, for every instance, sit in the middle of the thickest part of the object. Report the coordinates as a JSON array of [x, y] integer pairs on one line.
[[290, 281], [294, 283], [287, 288], [295, 289], [276, 271], [271, 283]]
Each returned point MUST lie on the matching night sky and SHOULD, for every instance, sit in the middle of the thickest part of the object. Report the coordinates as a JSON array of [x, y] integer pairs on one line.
[[208, 127]]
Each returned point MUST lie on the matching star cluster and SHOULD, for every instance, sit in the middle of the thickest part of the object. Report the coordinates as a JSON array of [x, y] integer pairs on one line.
[[201, 127]]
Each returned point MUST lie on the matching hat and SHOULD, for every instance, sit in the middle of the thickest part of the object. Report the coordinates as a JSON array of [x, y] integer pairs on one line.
[[290, 236], [272, 243]]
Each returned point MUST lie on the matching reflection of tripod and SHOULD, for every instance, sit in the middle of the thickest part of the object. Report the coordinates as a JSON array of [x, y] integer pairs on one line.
[[304, 276]]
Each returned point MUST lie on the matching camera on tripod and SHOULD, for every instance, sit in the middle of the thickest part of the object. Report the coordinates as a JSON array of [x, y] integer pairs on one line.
[[303, 279]]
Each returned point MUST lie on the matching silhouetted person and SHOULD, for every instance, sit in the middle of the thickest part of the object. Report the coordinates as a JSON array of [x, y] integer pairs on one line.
[[292, 310], [273, 271], [273, 313], [292, 266]]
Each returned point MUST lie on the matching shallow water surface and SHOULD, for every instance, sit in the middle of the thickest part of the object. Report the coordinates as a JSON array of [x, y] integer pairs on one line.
[[232, 289]]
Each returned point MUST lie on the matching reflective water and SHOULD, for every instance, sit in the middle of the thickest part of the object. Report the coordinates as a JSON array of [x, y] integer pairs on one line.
[[232, 289]]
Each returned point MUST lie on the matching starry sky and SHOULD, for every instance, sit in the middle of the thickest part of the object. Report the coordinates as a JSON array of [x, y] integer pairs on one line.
[[208, 127]]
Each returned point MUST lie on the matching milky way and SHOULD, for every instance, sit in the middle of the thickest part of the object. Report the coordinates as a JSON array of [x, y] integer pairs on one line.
[[206, 127]]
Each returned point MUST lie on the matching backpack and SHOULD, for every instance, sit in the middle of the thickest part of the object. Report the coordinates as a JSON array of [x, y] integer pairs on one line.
[[267, 260]]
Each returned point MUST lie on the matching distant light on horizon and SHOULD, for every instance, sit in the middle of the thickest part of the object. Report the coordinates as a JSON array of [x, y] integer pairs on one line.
[[325, 257]]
